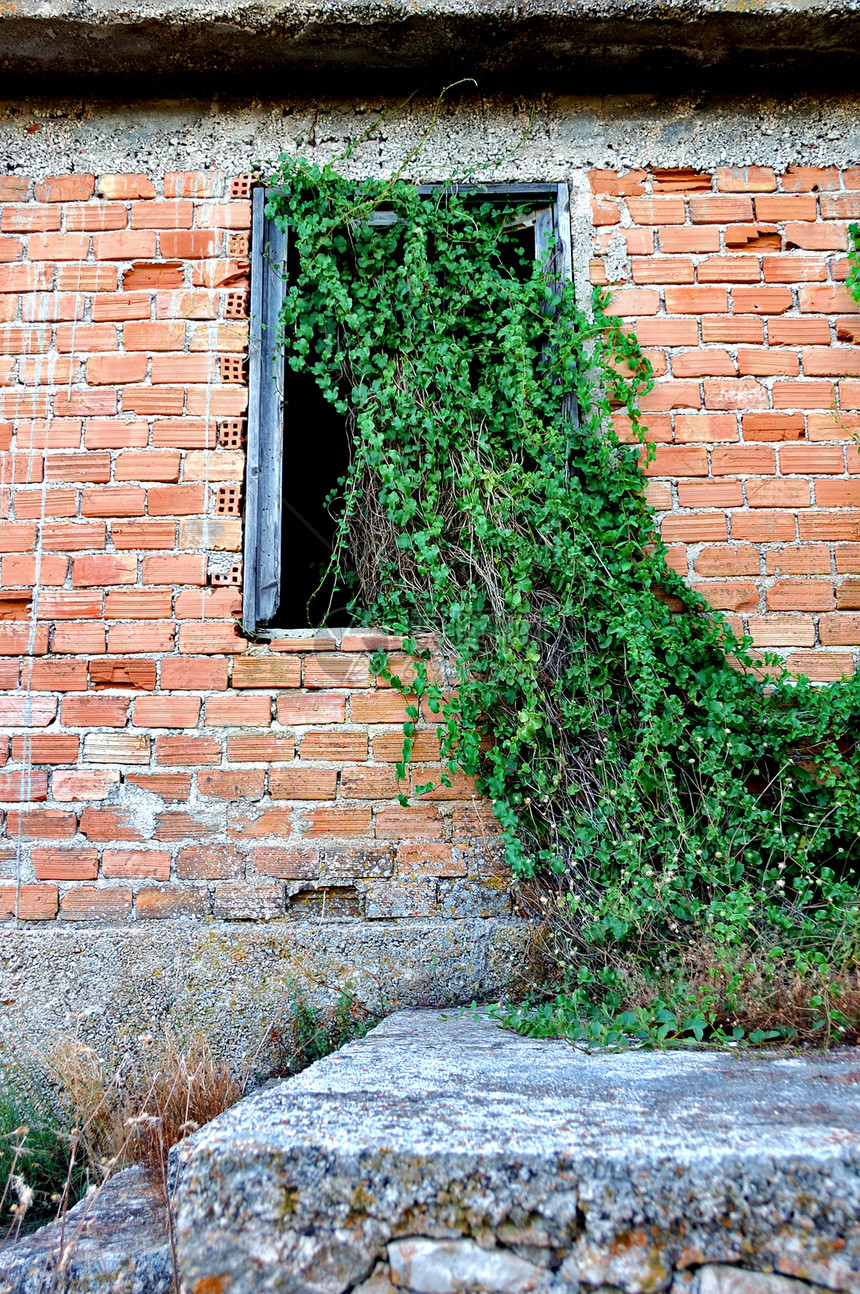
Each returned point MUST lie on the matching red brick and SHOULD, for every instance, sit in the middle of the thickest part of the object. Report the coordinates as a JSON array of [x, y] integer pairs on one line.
[[26, 278], [840, 206], [124, 245], [233, 784], [193, 184], [183, 568], [768, 363], [381, 707], [672, 461], [794, 269], [43, 570], [765, 300], [89, 903], [633, 301], [829, 300], [137, 604], [839, 629], [170, 786], [763, 527], [773, 426], [266, 672], [167, 712], [123, 673], [829, 525], [24, 786], [662, 269], [847, 329], [148, 336], [97, 711], [65, 188], [250, 711], [696, 300], [193, 751], [703, 362], [126, 186], [671, 395], [681, 238], [803, 395], [729, 595], [365, 783], [417, 822], [46, 748], [112, 370], [130, 864], [334, 747], [800, 559], [83, 784], [815, 237], [734, 393], [113, 501], [821, 667], [208, 604], [261, 749], [148, 465], [777, 207], [269, 822], [837, 494], [77, 639], [28, 902], [187, 674], [288, 863], [746, 179], [147, 400], [617, 183], [729, 269], [743, 460], [339, 823], [831, 362], [161, 215], [734, 559], [143, 534], [848, 595], [17, 537], [778, 493], [65, 864], [99, 569], [810, 179], [303, 783], [73, 536], [776, 630], [691, 529], [848, 558], [815, 459], [110, 825], [800, 595], [29, 219], [41, 824], [208, 637], [14, 188], [798, 332], [209, 863], [389, 746], [171, 902], [300, 708], [161, 274], [666, 332], [121, 307]]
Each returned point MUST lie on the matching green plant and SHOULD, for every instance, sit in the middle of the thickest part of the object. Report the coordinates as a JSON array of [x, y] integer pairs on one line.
[[672, 786], [38, 1164]]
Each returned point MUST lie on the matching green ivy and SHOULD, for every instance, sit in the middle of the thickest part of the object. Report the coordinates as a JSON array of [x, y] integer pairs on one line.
[[676, 785]]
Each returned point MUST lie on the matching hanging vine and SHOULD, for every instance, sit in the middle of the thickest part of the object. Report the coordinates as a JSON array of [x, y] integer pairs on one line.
[[678, 788]]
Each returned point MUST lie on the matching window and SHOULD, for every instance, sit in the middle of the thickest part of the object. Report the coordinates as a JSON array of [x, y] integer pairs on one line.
[[297, 447]]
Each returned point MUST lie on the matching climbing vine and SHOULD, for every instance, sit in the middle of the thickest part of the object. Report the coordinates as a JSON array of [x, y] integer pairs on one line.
[[662, 789]]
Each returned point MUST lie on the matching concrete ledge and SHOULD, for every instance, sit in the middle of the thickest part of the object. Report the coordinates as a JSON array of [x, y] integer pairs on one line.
[[575, 44], [233, 978], [445, 1154]]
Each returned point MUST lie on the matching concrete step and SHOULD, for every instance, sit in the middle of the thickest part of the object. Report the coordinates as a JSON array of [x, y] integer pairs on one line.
[[441, 1155], [444, 1154]]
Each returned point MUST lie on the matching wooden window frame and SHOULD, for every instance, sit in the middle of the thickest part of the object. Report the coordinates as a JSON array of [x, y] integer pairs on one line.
[[266, 415]]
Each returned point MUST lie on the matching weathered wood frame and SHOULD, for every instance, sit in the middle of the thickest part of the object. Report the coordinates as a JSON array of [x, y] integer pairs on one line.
[[266, 414]]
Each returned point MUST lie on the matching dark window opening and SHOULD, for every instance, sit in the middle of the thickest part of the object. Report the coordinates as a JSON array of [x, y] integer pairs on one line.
[[298, 448]]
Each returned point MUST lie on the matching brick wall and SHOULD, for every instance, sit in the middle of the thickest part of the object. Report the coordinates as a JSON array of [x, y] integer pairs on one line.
[[735, 284], [152, 762]]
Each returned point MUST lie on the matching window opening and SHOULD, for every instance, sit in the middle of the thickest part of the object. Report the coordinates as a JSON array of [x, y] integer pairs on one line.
[[297, 446]]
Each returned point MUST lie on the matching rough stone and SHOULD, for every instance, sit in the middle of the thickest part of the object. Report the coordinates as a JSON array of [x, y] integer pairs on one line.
[[449, 1266], [115, 1239], [614, 1170], [735, 1280]]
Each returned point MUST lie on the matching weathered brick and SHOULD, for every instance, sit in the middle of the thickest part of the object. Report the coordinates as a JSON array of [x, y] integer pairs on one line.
[[41, 824], [258, 901], [302, 783], [334, 747], [164, 902], [191, 751], [288, 863], [28, 902], [170, 786], [91, 903], [110, 825], [65, 864], [209, 863], [46, 748], [233, 784], [25, 786], [133, 864]]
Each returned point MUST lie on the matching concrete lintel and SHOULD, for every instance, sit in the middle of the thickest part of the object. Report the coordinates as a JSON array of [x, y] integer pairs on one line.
[[576, 44]]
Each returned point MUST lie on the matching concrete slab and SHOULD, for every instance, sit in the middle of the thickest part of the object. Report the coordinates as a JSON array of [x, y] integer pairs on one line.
[[572, 43], [633, 1171]]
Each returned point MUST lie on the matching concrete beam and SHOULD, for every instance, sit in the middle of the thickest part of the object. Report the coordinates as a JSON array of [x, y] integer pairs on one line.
[[334, 45]]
